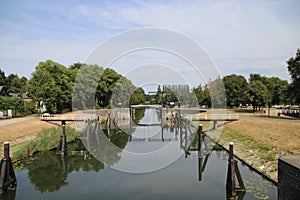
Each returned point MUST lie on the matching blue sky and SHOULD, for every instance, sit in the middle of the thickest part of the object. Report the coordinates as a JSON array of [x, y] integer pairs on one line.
[[241, 37]]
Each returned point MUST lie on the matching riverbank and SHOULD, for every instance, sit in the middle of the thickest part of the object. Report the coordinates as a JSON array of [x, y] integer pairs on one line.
[[259, 141], [21, 132]]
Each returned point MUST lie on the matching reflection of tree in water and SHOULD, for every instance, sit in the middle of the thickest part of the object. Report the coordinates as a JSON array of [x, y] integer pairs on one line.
[[49, 171], [106, 145]]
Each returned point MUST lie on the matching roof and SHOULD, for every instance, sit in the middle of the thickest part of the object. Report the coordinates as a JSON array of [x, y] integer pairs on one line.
[[3, 91]]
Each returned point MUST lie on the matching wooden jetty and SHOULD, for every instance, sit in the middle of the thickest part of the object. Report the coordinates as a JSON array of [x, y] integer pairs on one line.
[[70, 117]]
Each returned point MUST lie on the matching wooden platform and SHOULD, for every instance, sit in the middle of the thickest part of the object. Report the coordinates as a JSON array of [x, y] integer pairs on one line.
[[68, 118], [213, 117]]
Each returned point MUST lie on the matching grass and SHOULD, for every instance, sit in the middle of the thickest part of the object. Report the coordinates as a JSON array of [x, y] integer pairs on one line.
[[45, 140], [260, 155]]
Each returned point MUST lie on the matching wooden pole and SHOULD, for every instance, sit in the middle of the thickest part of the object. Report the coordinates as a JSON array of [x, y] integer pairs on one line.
[[215, 124], [200, 128], [62, 146], [7, 174], [233, 173]]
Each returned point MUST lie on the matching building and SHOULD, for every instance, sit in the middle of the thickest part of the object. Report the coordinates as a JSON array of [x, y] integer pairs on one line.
[[3, 91]]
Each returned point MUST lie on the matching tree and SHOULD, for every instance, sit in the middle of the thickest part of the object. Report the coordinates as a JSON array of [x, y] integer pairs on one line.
[[257, 94], [277, 90], [14, 104], [16, 84], [235, 88], [2, 78], [138, 96], [199, 92], [51, 83], [122, 93], [294, 71], [106, 86], [217, 93], [85, 88]]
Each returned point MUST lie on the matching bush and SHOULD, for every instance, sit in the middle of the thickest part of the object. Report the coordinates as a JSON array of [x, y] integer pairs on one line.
[[45, 140]]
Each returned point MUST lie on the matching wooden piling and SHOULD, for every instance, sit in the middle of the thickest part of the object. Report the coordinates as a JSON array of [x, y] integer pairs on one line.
[[7, 175], [62, 146], [233, 173], [215, 124], [200, 128], [108, 121]]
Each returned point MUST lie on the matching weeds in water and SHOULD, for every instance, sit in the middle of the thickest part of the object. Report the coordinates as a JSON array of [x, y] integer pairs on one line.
[[45, 140]]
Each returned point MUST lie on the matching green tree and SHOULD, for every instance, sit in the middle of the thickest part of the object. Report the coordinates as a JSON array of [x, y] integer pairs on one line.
[[106, 87], [294, 71], [158, 95], [14, 104], [257, 94], [16, 84], [277, 88], [207, 99], [122, 91], [2, 78], [235, 88], [217, 93], [138, 96], [86, 83], [199, 92], [51, 83]]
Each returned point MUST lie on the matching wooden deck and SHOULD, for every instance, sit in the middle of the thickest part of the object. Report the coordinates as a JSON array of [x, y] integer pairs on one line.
[[213, 117], [68, 117]]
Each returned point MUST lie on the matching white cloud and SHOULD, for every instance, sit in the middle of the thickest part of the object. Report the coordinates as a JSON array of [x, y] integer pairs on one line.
[[230, 30]]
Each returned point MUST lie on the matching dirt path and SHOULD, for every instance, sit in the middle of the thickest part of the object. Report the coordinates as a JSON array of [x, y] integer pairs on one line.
[[20, 131], [15, 120]]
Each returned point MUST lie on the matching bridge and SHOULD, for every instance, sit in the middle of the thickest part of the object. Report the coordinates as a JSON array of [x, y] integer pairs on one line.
[[156, 106], [67, 117], [213, 117]]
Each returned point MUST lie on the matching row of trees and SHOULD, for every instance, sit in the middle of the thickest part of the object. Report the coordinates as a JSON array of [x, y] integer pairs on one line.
[[230, 91], [54, 85], [258, 90]]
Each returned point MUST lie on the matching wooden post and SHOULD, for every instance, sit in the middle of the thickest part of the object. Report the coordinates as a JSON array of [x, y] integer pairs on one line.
[[233, 172], [7, 174], [62, 146], [199, 137], [108, 121], [215, 124]]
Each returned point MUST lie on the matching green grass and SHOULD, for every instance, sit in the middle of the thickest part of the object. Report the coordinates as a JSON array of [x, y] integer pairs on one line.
[[46, 139], [265, 154]]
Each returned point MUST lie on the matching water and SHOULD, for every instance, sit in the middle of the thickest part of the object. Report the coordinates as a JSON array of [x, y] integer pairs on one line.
[[80, 176]]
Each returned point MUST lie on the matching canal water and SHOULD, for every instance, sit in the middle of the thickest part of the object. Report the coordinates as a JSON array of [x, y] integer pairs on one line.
[[79, 175]]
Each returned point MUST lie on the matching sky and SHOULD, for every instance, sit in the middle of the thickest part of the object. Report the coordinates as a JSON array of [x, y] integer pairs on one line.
[[240, 37]]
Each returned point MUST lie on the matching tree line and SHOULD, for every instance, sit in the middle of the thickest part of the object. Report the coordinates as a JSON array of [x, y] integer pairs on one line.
[[53, 85], [258, 91]]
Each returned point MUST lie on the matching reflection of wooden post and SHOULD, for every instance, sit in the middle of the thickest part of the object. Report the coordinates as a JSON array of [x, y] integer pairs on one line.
[[108, 121], [7, 174], [233, 172], [62, 146]]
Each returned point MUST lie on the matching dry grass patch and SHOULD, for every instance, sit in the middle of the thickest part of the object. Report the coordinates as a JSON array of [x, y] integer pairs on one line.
[[281, 134], [21, 132]]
